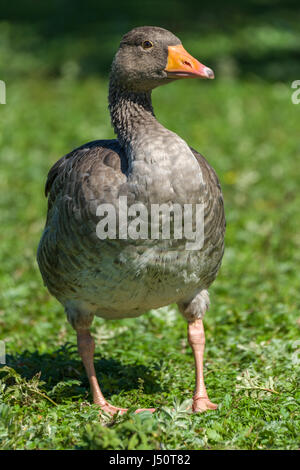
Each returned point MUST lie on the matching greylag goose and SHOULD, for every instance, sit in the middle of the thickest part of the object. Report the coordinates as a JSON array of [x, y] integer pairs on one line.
[[94, 267]]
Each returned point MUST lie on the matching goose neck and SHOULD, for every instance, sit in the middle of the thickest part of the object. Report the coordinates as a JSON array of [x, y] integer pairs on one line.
[[131, 114]]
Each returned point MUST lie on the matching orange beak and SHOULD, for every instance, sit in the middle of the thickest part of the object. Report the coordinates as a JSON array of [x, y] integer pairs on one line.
[[182, 65]]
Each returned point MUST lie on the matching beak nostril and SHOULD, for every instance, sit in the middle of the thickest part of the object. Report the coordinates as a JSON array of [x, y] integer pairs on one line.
[[185, 62]]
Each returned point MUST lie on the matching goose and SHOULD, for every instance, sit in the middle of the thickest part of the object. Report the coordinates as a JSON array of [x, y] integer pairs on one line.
[[112, 275]]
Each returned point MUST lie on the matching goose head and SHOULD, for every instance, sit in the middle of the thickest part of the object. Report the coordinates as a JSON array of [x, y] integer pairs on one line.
[[149, 56]]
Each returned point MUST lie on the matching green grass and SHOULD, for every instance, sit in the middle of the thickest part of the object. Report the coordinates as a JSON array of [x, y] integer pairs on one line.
[[249, 132]]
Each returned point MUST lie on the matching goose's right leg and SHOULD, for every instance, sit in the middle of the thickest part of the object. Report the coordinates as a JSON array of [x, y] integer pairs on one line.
[[86, 349]]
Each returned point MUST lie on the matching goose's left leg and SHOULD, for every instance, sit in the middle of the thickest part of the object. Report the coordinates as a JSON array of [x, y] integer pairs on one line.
[[194, 311], [196, 338]]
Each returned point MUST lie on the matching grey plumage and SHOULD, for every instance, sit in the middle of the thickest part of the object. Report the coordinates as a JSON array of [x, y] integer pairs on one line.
[[148, 164]]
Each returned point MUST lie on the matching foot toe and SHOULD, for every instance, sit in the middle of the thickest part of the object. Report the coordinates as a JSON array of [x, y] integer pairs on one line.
[[112, 410], [152, 410], [202, 404]]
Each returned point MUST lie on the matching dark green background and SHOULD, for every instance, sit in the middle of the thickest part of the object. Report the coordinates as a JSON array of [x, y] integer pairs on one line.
[[251, 37]]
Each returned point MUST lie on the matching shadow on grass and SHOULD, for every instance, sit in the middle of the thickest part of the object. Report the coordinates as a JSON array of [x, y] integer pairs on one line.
[[63, 365]]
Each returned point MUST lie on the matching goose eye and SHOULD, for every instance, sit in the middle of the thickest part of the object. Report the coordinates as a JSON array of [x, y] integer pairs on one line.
[[147, 44]]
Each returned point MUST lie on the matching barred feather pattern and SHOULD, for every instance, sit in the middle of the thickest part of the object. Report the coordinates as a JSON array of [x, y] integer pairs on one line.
[[116, 278]]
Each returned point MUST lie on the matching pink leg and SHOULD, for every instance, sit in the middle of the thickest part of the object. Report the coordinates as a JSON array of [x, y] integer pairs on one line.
[[196, 338], [86, 348]]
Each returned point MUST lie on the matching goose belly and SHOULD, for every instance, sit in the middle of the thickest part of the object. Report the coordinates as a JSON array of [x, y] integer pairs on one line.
[[125, 281]]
